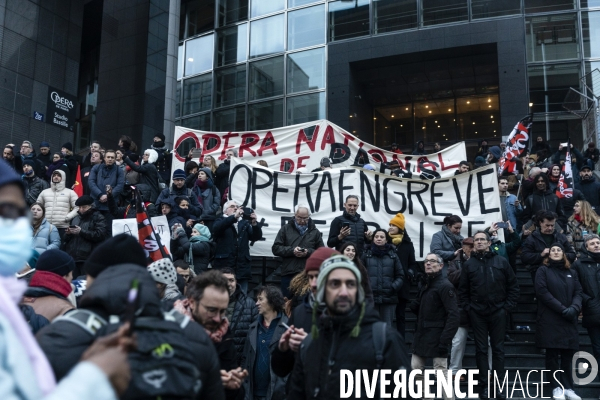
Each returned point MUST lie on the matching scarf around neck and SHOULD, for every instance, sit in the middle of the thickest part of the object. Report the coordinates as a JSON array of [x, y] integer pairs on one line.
[[456, 239], [301, 228], [397, 238]]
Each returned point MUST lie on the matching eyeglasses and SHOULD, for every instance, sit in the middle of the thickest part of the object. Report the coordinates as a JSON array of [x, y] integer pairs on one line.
[[430, 261], [214, 311], [25, 147], [12, 211]]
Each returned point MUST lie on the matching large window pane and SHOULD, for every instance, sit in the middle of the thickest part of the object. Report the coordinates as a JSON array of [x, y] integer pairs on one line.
[[444, 11], [536, 6], [548, 85], [199, 122], [590, 22], [306, 70], [552, 37], [180, 62], [306, 27], [266, 78], [394, 15], [231, 11], [231, 86], [262, 7], [196, 17], [266, 36], [231, 120], [265, 115], [296, 3], [348, 19], [305, 108], [232, 43], [178, 100], [197, 94], [590, 3], [199, 55], [494, 8]]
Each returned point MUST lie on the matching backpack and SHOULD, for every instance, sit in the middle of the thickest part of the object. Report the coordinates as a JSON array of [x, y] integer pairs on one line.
[[162, 366]]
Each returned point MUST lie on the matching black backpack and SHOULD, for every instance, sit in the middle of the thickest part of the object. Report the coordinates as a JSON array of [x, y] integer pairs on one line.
[[162, 367]]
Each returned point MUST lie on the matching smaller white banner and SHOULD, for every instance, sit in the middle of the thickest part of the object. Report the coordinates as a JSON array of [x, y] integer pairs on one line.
[[130, 227]]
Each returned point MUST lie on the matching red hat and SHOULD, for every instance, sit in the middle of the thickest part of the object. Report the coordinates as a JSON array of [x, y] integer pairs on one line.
[[313, 263]]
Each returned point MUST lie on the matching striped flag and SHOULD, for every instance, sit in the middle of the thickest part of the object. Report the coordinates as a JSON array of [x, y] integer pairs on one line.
[[565, 182], [148, 239], [515, 145]]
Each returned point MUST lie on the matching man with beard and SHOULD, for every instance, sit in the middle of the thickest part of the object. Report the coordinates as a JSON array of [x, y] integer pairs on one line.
[[207, 301], [28, 153], [9, 156], [222, 172], [488, 288], [45, 157], [165, 157], [542, 198], [590, 187], [463, 167], [349, 227], [345, 335], [34, 185], [87, 230], [59, 202]]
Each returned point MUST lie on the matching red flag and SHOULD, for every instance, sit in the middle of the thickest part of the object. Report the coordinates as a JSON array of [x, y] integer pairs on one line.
[[148, 239], [515, 145], [78, 187], [565, 182]]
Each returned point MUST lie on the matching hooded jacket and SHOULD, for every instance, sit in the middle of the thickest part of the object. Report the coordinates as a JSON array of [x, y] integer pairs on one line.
[[93, 232], [46, 238], [588, 270], [419, 149], [288, 238], [59, 203], [64, 341]]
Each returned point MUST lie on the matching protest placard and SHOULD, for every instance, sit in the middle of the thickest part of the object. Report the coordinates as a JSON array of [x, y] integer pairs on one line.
[[130, 227]]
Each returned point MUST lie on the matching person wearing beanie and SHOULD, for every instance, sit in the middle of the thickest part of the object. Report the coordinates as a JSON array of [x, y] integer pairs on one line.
[[436, 301], [165, 275], [494, 154], [343, 332], [196, 250], [480, 162], [488, 297], [208, 196], [50, 285], [559, 303], [87, 230], [165, 157], [34, 185], [295, 242], [179, 189], [44, 157]]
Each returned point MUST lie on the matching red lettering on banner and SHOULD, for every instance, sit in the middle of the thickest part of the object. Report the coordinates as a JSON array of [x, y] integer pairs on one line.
[[303, 138], [181, 139], [268, 143], [348, 138], [444, 167], [205, 139], [283, 162], [301, 161], [328, 137], [246, 145], [226, 146]]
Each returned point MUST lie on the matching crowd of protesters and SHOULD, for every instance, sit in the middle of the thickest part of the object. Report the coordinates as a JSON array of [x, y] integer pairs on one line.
[[110, 324]]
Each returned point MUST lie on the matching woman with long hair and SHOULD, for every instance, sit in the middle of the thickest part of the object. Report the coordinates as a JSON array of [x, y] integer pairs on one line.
[[583, 221], [208, 196], [210, 163], [385, 274], [45, 235], [447, 243], [349, 250], [559, 295]]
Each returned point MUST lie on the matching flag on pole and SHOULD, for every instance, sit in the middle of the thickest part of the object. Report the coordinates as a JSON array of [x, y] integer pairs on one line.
[[78, 187], [516, 145], [564, 189], [148, 239]]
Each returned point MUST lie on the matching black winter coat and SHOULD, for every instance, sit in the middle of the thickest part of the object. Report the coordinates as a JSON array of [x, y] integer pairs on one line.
[[64, 342], [173, 192], [93, 232], [406, 254], [335, 350], [233, 246], [534, 245], [438, 318], [148, 177], [487, 284], [455, 268], [201, 252], [222, 176], [588, 271], [556, 288], [358, 227], [244, 314], [542, 201], [288, 238], [33, 188], [386, 275], [591, 190]]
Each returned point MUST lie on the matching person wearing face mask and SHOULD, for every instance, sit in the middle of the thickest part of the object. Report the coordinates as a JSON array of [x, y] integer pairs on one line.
[[488, 288], [165, 157], [437, 319], [208, 196], [587, 267], [542, 198], [45, 235], [559, 296], [34, 185], [385, 274], [590, 187], [222, 172]]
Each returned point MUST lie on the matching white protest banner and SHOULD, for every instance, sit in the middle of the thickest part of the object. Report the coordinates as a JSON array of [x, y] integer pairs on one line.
[[473, 196], [304, 145], [130, 227]]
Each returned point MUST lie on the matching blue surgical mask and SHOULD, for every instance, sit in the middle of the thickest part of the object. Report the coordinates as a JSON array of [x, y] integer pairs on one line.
[[15, 244]]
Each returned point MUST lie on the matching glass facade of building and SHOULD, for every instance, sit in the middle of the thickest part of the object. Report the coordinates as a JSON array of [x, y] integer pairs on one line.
[[251, 64]]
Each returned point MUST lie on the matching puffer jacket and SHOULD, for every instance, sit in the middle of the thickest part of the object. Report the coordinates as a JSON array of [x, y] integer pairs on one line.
[[534, 245], [358, 227], [288, 238], [438, 318], [93, 232], [588, 270], [200, 252], [385, 274], [244, 314], [59, 203], [33, 187], [46, 238], [102, 175]]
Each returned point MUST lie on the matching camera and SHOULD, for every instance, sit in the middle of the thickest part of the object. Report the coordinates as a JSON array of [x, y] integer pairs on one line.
[[247, 213]]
